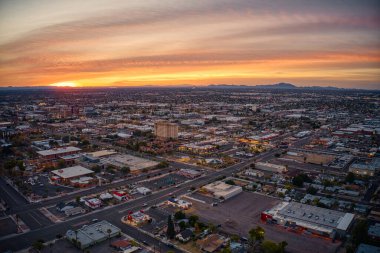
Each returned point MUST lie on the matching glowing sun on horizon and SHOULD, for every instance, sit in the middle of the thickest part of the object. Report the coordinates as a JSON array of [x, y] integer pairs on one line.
[[65, 84]]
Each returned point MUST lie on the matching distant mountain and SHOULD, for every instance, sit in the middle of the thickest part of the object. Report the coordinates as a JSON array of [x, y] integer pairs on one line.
[[282, 86], [277, 86]]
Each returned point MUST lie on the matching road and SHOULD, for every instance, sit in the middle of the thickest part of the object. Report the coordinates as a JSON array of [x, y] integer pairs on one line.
[[115, 213]]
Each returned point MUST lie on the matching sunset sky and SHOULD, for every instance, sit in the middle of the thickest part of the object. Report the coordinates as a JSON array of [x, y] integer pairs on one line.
[[200, 42]]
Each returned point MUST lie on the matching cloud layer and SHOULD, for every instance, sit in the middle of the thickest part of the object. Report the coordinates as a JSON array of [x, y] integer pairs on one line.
[[198, 42]]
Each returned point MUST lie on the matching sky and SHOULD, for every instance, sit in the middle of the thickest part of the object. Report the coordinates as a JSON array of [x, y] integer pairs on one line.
[[195, 42]]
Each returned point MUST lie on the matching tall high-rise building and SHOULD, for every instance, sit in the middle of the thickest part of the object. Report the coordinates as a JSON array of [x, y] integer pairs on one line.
[[164, 129]]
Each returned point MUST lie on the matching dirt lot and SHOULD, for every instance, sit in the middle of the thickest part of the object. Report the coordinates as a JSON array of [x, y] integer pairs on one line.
[[241, 213]]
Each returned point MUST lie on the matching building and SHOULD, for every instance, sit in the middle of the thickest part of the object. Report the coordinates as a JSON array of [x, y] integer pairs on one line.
[[179, 203], [143, 190], [164, 129], [136, 164], [211, 243], [120, 195], [221, 190], [92, 234], [271, 167], [93, 203], [72, 175], [374, 232], [253, 173], [309, 219], [185, 235], [189, 173], [136, 218], [366, 248], [56, 153], [365, 168]]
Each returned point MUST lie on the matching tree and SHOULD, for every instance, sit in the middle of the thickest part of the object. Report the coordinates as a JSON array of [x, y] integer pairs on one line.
[[109, 231], [38, 245], [311, 190], [66, 139], [193, 219], [231, 182], [350, 178], [359, 232], [271, 247], [125, 170], [179, 215], [170, 232], [300, 179], [162, 165], [182, 225], [283, 245], [61, 163], [257, 234]]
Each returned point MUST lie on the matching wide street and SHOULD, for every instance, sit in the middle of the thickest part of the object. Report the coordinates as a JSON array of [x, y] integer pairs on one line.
[[112, 214]]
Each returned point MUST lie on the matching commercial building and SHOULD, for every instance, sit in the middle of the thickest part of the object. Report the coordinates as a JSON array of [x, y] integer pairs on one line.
[[120, 195], [164, 129], [72, 175], [271, 167], [143, 190], [189, 173], [136, 218], [56, 153], [309, 219], [92, 234], [136, 164], [221, 190], [93, 203], [365, 168], [179, 203]]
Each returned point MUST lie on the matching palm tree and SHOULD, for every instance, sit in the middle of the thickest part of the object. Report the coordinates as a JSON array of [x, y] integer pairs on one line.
[[256, 236], [109, 235], [76, 237]]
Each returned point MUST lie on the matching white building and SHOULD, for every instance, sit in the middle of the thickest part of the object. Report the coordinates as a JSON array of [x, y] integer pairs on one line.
[[271, 167], [221, 190], [310, 219], [143, 190]]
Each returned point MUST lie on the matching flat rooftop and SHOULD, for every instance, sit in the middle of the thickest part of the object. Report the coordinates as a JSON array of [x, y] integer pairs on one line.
[[102, 153], [70, 172], [314, 217], [133, 162], [57, 151]]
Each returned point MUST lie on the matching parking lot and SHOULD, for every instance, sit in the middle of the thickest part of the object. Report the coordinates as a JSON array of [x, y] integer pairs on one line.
[[242, 212], [163, 182], [39, 185]]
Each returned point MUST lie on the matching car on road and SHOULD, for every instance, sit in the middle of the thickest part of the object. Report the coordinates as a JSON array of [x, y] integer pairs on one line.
[[145, 204], [95, 220], [145, 242]]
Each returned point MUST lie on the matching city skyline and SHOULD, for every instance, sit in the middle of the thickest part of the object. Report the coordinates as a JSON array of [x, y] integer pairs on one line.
[[134, 43]]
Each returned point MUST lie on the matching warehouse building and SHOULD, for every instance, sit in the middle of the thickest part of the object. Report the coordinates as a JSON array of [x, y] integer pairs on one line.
[[92, 234], [309, 219], [56, 153], [72, 175], [271, 167], [221, 190]]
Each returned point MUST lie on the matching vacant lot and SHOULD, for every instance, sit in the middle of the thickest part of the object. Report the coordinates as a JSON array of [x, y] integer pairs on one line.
[[241, 213]]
